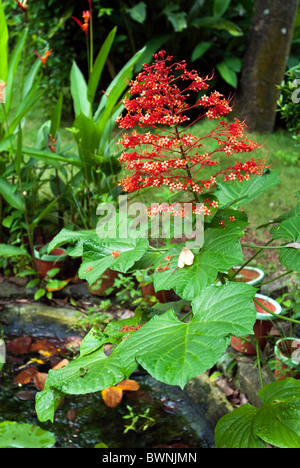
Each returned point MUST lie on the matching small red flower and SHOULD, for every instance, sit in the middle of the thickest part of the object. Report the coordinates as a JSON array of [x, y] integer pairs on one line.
[[85, 25], [116, 254], [23, 4], [44, 58]]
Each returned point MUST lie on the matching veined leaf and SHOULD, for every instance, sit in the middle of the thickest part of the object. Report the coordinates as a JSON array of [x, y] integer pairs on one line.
[[276, 422], [174, 352], [227, 74], [246, 190], [221, 250], [289, 230], [97, 258]]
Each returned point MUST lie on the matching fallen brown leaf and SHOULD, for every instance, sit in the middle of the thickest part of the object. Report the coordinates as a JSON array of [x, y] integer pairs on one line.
[[19, 345], [25, 376], [112, 396], [39, 380]]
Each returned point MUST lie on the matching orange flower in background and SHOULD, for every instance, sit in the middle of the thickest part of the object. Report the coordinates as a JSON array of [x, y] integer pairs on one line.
[[2, 92], [86, 18], [45, 56]]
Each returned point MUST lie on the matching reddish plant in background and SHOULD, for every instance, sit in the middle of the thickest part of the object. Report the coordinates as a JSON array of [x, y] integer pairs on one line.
[[167, 155]]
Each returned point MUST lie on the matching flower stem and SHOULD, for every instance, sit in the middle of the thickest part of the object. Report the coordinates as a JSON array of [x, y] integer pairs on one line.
[[288, 319]]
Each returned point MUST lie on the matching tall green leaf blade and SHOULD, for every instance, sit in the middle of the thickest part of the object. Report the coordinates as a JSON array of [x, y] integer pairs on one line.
[[10, 194], [56, 116], [79, 91], [14, 60], [3, 45], [31, 78], [99, 64]]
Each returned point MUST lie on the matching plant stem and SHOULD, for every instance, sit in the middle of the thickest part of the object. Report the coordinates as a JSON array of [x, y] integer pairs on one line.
[[252, 246], [250, 259], [274, 279], [259, 364], [276, 315]]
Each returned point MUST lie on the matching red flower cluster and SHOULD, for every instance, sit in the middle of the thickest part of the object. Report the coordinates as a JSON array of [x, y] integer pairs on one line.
[[166, 155]]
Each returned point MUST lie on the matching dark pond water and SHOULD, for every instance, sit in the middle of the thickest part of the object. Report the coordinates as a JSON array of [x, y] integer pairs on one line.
[[84, 421]]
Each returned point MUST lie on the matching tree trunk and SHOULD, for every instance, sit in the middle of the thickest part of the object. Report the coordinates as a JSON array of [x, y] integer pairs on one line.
[[264, 63]]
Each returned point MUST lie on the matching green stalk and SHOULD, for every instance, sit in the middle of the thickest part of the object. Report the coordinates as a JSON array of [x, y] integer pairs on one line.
[[250, 260], [276, 315]]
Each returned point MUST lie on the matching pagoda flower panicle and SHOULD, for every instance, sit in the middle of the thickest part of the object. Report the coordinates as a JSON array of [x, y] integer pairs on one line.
[[43, 58], [85, 24], [166, 153]]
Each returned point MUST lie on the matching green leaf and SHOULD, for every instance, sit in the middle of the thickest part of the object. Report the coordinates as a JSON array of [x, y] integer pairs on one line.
[[52, 158], [39, 294], [23, 435], [289, 230], [200, 50], [240, 193], [10, 194], [56, 116], [174, 352], [220, 7], [31, 78], [79, 92], [227, 74], [221, 250], [11, 251], [99, 64], [213, 22], [46, 403], [14, 60], [176, 18], [97, 258], [3, 45], [19, 153], [138, 12], [276, 422], [66, 236]]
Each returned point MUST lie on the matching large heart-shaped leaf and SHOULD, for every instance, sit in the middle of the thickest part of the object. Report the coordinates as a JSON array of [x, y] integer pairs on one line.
[[289, 230], [174, 352], [221, 250], [276, 422]]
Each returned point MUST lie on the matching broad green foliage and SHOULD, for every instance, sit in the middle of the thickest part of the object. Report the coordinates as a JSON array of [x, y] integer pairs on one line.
[[221, 251], [170, 350], [22, 435], [276, 422], [289, 230]]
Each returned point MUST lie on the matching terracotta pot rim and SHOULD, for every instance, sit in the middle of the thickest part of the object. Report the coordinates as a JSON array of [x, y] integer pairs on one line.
[[254, 281], [48, 257], [266, 315], [289, 361]]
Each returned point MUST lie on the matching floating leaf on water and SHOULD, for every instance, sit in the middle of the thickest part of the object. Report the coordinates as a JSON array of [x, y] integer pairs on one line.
[[25, 376], [19, 345]]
